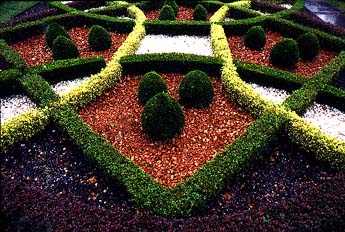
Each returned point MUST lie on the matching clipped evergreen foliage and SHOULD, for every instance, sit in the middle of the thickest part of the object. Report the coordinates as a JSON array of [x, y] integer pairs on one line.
[[309, 46], [162, 117], [173, 5], [150, 84], [166, 13], [255, 38], [196, 90], [285, 53], [99, 38], [64, 48], [53, 31], [200, 13]]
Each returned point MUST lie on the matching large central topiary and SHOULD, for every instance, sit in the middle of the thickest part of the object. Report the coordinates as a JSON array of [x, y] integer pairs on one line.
[[150, 84], [162, 117], [99, 38], [53, 31], [196, 90]]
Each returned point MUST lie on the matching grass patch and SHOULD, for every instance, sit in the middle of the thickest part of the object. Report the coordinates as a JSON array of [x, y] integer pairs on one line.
[[9, 9]]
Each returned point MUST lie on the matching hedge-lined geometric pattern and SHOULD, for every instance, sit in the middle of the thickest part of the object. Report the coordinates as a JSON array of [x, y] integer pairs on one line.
[[197, 190]]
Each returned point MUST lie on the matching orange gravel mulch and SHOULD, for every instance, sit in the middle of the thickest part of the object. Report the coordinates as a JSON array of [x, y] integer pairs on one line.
[[117, 116], [305, 68], [35, 51], [184, 14]]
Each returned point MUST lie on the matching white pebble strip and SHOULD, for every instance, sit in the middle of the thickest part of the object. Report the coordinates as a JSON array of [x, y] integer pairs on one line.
[[101, 7], [14, 105], [287, 6], [125, 17], [197, 45], [228, 19], [329, 119], [277, 96], [66, 2], [64, 87]]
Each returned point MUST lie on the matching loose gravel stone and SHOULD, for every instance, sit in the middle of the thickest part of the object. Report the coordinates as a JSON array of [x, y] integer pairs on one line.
[[14, 105], [64, 87], [275, 95], [329, 119], [198, 45]]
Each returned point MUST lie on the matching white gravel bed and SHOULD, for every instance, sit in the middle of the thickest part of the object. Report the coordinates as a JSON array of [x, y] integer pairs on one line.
[[101, 7], [125, 17], [277, 96], [287, 6], [329, 119], [228, 19], [66, 2], [64, 87], [197, 45], [14, 105]]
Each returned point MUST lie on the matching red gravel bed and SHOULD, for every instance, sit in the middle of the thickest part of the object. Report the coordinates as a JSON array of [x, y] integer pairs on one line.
[[305, 68], [35, 51], [184, 14], [117, 116]]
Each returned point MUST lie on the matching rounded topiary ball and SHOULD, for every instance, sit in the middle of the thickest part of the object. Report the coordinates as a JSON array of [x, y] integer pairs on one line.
[[200, 13], [285, 53], [162, 117], [64, 48], [173, 5], [53, 31], [99, 38], [255, 38], [150, 84], [167, 13], [309, 46], [196, 90]]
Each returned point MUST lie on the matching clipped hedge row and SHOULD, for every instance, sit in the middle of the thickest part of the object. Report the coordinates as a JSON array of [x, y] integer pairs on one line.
[[177, 27], [303, 97], [266, 76], [71, 68], [22, 127], [9, 83], [10, 57], [38, 89], [170, 62]]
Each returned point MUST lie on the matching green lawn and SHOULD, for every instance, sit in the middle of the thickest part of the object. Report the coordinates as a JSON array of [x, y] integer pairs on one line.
[[339, 3], [8, 9]]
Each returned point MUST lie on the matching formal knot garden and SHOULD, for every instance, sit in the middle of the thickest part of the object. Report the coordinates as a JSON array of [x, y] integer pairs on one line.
[[164, 115]]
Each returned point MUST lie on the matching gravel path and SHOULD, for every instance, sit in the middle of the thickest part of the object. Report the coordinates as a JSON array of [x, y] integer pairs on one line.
[[275, 95], [64, 87], [329, 119], [198, 45], [14, 105]]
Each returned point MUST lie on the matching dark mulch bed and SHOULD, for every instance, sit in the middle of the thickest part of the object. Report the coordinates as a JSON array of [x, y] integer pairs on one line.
[[3, 66], [47, 185]]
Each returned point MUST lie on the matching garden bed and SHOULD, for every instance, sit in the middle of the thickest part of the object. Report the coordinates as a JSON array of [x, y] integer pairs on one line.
[[184, 14]]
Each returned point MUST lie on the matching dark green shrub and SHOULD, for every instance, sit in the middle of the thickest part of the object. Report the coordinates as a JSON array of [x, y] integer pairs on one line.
[[255, 38], [53, 31], [196, 90], [64, 48], [173, 5], [285, 53], [309, 46], [99, 38], [200, 13], [162, 117], [150, 84], [166, 13]]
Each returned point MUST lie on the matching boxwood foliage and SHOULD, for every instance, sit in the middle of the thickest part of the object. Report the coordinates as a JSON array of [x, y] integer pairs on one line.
[[170, 62], [9, 83], [64, 48], [150, 84], [99, 38], [53, 31], [10, 57], [38, 89], [69, 69]]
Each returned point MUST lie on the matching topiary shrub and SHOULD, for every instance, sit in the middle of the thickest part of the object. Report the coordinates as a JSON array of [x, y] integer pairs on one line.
[[53, 31], [200, 13], [166, 13], [64, 48], [162, 117], [255, 38], [285, 53], [99, 38], [196, 90], [173, 5], [150, 84], [309, 46]]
